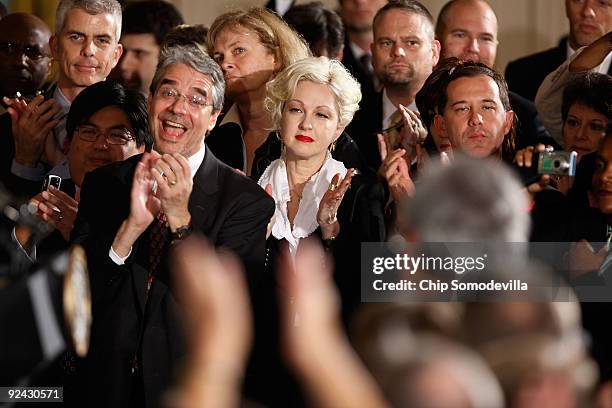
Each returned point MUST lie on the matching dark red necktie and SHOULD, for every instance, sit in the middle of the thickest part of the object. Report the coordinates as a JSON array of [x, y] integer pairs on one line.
[[159, 238]]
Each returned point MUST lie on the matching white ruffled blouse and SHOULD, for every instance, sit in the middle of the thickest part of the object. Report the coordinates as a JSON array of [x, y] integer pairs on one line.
[[305, 221]]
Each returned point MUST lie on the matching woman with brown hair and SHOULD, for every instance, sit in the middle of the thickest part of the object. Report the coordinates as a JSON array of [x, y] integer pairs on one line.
[[252, 46]]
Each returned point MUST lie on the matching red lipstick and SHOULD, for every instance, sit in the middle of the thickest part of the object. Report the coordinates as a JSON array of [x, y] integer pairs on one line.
[[304, 138]]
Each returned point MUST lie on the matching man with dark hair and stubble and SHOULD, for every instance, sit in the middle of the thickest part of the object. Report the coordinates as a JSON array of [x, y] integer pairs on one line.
[[404, 52], [145, 25], [467, 29], [474, 112]]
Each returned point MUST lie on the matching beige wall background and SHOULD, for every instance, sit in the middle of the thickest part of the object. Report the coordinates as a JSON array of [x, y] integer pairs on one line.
[[525, 26]]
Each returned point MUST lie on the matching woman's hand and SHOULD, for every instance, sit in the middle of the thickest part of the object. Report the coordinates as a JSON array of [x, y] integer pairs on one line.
[[328, 207]]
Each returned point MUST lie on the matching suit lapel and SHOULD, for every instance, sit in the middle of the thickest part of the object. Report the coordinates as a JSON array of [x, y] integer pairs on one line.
[[205, 187]]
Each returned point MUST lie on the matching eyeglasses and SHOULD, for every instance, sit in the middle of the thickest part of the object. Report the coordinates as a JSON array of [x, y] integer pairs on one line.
[[194, 101], [113, 136], [31, 51]]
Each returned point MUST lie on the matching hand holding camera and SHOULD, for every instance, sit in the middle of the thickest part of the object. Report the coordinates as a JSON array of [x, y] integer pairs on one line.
[[55, 207], [536, 165]]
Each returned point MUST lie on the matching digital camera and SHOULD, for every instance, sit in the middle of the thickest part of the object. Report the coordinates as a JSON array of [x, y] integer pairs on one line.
[[557, 163]]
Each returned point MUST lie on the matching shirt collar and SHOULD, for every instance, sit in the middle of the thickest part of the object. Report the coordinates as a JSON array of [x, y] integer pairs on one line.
[[388, 109], [61, 99], [305, 221], [195, 160], [232, 116], [357, 51]]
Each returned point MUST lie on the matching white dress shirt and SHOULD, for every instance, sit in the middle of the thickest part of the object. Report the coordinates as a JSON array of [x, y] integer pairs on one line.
[[388, 109], [305, 221]]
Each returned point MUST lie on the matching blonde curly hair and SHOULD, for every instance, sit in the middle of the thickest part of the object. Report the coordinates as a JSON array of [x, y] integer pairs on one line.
[[321, 70]]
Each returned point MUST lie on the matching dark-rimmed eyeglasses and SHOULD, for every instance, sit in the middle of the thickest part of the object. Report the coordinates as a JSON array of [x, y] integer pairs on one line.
[[31, 51], [113, 136]]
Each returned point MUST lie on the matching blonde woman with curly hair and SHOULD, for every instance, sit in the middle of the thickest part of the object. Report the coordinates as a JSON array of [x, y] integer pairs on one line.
[[310, 103], [252, 46]]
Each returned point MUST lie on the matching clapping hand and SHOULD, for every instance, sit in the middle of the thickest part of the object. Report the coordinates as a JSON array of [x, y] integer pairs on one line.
[[31, 124], [394, 169], [174, 185], [328, 207], [413, 132]]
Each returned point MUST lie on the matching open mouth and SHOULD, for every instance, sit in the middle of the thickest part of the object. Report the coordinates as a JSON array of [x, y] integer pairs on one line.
[[173, 129]]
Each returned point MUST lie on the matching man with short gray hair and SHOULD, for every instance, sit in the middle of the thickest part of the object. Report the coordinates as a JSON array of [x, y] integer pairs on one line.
[[158, 199], [86, 47]]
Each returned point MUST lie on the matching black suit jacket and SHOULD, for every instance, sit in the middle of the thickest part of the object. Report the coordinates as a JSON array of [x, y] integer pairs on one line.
[[530, 130], [364, 127], [356, 68], [231, 210], [20, 188], [525, 75]]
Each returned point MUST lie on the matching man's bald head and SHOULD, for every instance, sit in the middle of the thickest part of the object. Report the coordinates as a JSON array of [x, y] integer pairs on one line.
[[467, 29], [25, 57]]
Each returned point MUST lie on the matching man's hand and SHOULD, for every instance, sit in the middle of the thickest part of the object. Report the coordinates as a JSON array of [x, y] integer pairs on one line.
[[57, 209], [174, 186], [31, 123], [394, 169], [413, 132], [144, 206]]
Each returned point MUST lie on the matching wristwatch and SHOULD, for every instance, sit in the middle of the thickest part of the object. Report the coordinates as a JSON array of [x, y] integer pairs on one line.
[[181, 233]]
